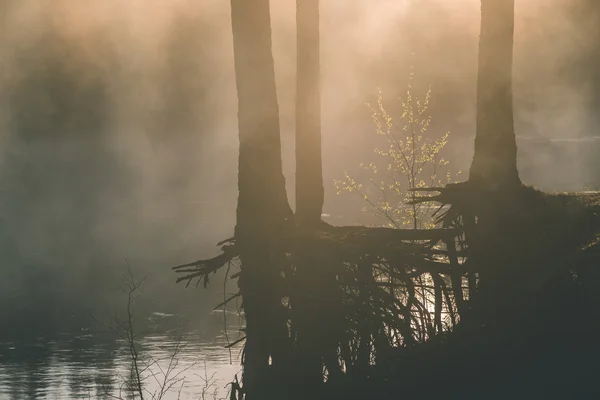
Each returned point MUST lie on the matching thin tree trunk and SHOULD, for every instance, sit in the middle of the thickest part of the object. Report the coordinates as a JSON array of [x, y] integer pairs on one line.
[[495, 160], [309, 195], [315, 304], [262, 203], [309, 172]]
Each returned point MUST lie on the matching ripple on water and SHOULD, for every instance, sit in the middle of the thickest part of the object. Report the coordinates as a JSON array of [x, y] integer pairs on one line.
[[78, 367]]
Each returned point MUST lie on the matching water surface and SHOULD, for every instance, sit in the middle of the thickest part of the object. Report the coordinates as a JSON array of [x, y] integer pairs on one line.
[[89, 364]]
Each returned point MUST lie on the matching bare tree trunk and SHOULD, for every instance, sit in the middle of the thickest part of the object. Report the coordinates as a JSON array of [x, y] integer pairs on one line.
[[309, 171], [262, 204], [495, 160], [494, 167], [307, 303], [315, 301]]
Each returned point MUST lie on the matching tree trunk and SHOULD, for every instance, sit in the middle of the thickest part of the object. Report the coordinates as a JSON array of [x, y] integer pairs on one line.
[[495, 160], [309, 171], [262, 204], [315, 302], [494, 168], [306, 298]]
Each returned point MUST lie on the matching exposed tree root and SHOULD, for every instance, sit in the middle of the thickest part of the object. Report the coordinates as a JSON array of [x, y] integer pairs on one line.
[[385, 290]]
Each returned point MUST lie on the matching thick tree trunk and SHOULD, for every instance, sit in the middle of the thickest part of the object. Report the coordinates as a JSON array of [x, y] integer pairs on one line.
[[495, 160], [262, 204], [494, 169], [309, 172]]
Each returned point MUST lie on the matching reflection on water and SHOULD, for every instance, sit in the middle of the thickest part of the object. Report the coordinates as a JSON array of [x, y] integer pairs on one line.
[[88, 365]]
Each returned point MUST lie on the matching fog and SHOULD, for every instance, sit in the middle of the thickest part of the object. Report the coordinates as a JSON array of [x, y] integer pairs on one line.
[[118, 125]]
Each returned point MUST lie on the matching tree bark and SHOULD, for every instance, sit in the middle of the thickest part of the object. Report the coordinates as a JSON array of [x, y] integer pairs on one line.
[[495, 159], [309, 171], [262, 203]]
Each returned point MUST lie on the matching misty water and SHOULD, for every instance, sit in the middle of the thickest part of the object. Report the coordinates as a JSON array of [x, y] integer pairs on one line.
[[91, 363]]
